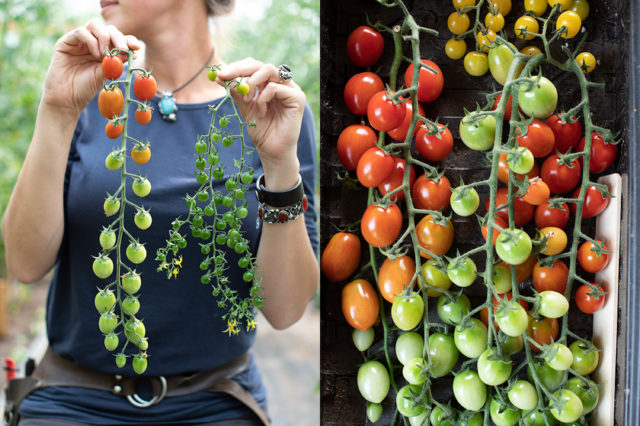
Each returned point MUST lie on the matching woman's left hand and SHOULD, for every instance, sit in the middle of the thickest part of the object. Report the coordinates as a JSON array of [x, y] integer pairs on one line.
[[277, 108]]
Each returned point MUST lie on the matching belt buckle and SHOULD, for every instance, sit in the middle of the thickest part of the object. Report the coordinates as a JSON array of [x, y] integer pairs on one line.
[[137, 401]]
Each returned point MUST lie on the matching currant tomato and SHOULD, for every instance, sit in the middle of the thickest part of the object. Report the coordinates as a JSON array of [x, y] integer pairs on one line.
[[400, 132], [359, 90], [526, 26], [537, 193], [458, 22], [571, 22], [360, 305], [354, 141], [594, 202], [546, 216], [112, 67], [603, 153], [492, 370], [395, 275], [140, 154], [373, 381], [567, 134], [585, 357], [434, 147], [560, 177], [381, 226], [143, 115], [539, 99], [552, 278], [469, 390], [476, 63], [543, 331], [144, 87], [341, 256], [589, 260], [455, 49], [110, 102], [365, 46], [523, 211], [406, 311], [540, 139], [430, 194], [430, 82], [465, 201], [434, 237], [588, 300], [396, 178], [383, 114]]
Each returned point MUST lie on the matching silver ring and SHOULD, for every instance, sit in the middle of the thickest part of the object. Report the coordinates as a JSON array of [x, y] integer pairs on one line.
[[285, 72]]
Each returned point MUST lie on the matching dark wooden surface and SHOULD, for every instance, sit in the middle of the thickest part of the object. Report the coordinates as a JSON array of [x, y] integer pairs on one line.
[[608, 27]]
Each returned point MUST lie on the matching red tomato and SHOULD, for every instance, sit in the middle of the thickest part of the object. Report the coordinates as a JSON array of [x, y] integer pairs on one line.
[[359, 90], [508, 107], [603, 154], [523, 211], [365, 46], [589, 260], [360, 304], [112, 67], [383, 114], [433, 237], [594, 202], [537, 193], [144, 87], [395, 276], [113, 131], [587, 301], [110, 102], [341, 256], [503, 170], [498, 221], [431, 195], [430, 84], [484, 313], [552, 278], [539, 139], [143, 116], [395, 179], [374, 167], [354, 141], [400, 132], [381, 226], [434, 147], [559, 177], [567, 135], [545, 216], [543, 331]]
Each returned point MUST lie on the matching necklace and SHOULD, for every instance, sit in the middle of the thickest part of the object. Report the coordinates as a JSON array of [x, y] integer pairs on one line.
[[167, 105]]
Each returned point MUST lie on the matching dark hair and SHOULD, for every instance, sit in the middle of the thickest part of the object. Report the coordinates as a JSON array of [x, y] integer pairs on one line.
[[219, 7]]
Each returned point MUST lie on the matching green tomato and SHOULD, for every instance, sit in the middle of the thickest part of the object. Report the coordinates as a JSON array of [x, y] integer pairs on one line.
[[538, 418], [501, 279], [363, 339], [373, 381], [470, 418], [512, 319], [553, 304], [549, 377], [523, 164], [104, 301], [464, 202], [443, 354], [514, 247], [107, 238], [513, 345], [587, 392], [470, 338], [452, 312], [462, 272], [420, 420], [121, 360], [212, 74], [108, 322], [136, 252], [500, 59], [406, 312], [559, 357], [440, 417], [130, 305], [111, 206], [111, 342], [478, 135], [404, 401], [538, 100], [139, 363], [493, 370], [134, 330], [571, 408], [523, 395], [141, 187], [434, 277], [374, 412], [102, 266], [585, 360], [413, 371], [409, 346], [131, 282], [113, 161], [503, 416], [469, 390], [142, 219]]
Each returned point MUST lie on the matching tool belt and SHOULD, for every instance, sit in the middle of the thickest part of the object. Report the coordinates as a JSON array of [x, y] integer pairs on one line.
[[53, 370]]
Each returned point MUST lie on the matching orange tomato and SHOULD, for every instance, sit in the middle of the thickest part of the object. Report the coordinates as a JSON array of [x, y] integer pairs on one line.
[[395, 276], [110, 102], [141, 155], [340, 257], [360, 305], [537, 193], [433, 237], [543, 331]]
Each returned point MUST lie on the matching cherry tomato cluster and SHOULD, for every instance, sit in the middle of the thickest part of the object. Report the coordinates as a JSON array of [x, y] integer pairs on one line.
[[512, 362], [117, 302], [227, 211]]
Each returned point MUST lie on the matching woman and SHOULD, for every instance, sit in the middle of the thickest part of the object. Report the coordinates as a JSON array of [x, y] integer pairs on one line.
[[55, 216]]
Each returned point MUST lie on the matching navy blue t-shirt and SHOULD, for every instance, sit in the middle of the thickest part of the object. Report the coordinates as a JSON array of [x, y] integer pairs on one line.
[[183, 322]]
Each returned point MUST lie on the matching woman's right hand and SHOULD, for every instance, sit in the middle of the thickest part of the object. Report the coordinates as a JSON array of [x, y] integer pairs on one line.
[[75, 75]]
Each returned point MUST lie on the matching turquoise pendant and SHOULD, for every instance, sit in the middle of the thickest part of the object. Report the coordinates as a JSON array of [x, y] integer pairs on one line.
[[168, 107]]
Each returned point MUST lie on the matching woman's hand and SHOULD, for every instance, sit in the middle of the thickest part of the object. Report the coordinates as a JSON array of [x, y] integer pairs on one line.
[[75, 75], [277, 108]]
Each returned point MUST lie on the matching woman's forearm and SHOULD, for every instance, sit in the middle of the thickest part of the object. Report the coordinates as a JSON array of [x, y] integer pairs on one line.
[[33, 223]]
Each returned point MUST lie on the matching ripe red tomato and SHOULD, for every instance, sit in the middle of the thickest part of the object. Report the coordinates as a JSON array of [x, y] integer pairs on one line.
[[400, 132], [383, 114], [434, 147], [374, 167], [434, 237], [360, 305], [359, 90], [567, 135], [594, 202], [354, 141], [430, 84], [539, 139], [381, 226], [552, 278], [586, 301], [112, 67], [537, 193], [545, 216], [143, 116], [365, 46], [431, 195], [543, 331], [484, 313], [341, 256], [523, 211], [144, 87], [113, 131], [603, 154], [498, 221], [395, 179], [560, 178], [589, 260], [395, 276], [508, 107], [503, 170], [110, 102]]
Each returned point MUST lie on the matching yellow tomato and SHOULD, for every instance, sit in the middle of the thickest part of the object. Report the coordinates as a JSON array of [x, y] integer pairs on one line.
[[527, 24], [571, 21], [458, 23], [556, 240], [530, 50], [586, 61], [460, 4], [502, 6], [485, 40], [476, 63], [536, 6], [494, 22], [564, 4], [455, 49]]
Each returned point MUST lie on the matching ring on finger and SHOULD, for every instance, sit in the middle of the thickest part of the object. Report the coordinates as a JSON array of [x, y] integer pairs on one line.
[[285, 72]]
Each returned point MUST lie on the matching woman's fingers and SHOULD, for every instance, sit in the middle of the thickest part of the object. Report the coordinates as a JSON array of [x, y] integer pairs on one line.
[[99, 38], [100, 32], [285, 96], [82, 35], [243, 68]]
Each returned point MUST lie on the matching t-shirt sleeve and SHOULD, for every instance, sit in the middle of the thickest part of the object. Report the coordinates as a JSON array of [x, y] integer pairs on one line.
[[307, 154]]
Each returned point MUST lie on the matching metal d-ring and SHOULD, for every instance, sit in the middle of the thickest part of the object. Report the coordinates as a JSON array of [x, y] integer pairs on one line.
[[136, 401]]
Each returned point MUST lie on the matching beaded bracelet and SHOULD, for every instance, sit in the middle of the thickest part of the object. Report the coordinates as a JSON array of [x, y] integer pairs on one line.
[[280, 206]]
